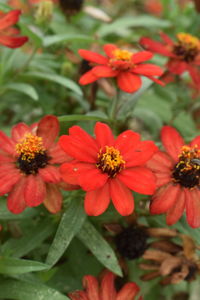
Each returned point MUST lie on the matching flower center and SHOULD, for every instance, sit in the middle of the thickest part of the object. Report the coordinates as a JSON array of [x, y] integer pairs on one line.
[[122, 54], [188, 46], [110, 161], [32, 154], [187, 171]]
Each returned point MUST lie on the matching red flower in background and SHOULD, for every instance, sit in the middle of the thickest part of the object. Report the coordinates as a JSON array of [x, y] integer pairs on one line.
[[184, 53], [126, 66], [106, 167], [105, 290], [154, 7], [28, 169], [177, 171], [9, 35]]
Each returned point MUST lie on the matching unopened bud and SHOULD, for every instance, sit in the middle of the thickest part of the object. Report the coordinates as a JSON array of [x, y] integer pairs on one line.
[[44, 11]]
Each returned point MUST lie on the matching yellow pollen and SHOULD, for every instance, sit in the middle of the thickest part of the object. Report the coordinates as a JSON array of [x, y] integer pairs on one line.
[[110, 161], [122, 54], [29, 146], [190, 157], [189, 41]]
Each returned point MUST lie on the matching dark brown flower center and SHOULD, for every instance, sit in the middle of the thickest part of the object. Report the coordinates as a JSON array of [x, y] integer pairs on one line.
[[187, 47], [187, 171], [110, 161], [32, 154]]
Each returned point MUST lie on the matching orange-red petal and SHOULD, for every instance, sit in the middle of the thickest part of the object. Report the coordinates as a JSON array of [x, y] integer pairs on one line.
[[128, 291], [176, 211], [104, 135], [128, 82], [108, 291], [15, 202], [53, 199], [48, 129], [34, 191], [172, 141], [141, 56], [93, 56]]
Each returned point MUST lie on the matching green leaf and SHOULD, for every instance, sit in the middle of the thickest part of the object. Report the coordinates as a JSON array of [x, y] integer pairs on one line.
[[91, 117], [23, 88], [31, 240], [71, 222], [99, 247], [13, 289], [33, 35], [9, 265], [122, 24], [59, 38], [6, 215], [68, 83]]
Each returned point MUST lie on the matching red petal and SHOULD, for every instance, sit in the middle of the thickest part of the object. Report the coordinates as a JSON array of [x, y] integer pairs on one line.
[[18, 131], [90, 283], [176, 66], [9, 19], [104, 71], [154, 46], [58, 156], [108, 291], [192, 198], [6, 158], [128, 291], [78, 149], [141, 56], [15, 202], [96, 202], [87, 78], [80, 134], [35, 190], [6, 144], [148, 69], [109, 48], [50, 174], [195, 74], [93, 57], [53, 199], [127, 141], [128, 82], [176, 211], [48, 129], [156, 80], [78, 295], [104, 135], [8, 178], [160, 162], [166, 39], [13, 42], [70, 171], [172, 141], [141, 154], [164, 199], [122, 197], [139, 179], [92, 179], [196, 141], [162, 178]]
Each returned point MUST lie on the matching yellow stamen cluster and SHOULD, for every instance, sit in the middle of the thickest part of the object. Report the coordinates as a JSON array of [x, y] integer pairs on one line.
[[29, 146], [189, 41], [110, 161], [190, 158], [122, 54]]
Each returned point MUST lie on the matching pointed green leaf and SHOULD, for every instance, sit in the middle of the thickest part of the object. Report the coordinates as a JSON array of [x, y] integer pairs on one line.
[[99, 247], [14, 289], [9, 265], [24, 88], [71, 222]]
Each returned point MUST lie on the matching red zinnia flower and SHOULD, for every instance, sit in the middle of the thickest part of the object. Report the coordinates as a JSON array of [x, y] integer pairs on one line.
[[178, 172], [126, 66], [105, 290], [154, 7], [184, 54], [28, 166], [6, 21], [107, 168]]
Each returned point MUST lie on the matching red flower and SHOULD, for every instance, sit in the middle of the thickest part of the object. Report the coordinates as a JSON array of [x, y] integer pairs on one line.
[[106, 167], [105, 290], [154, 7], [177, 171], [126, 66], [8, 35], [28, 166], [184, 54]]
